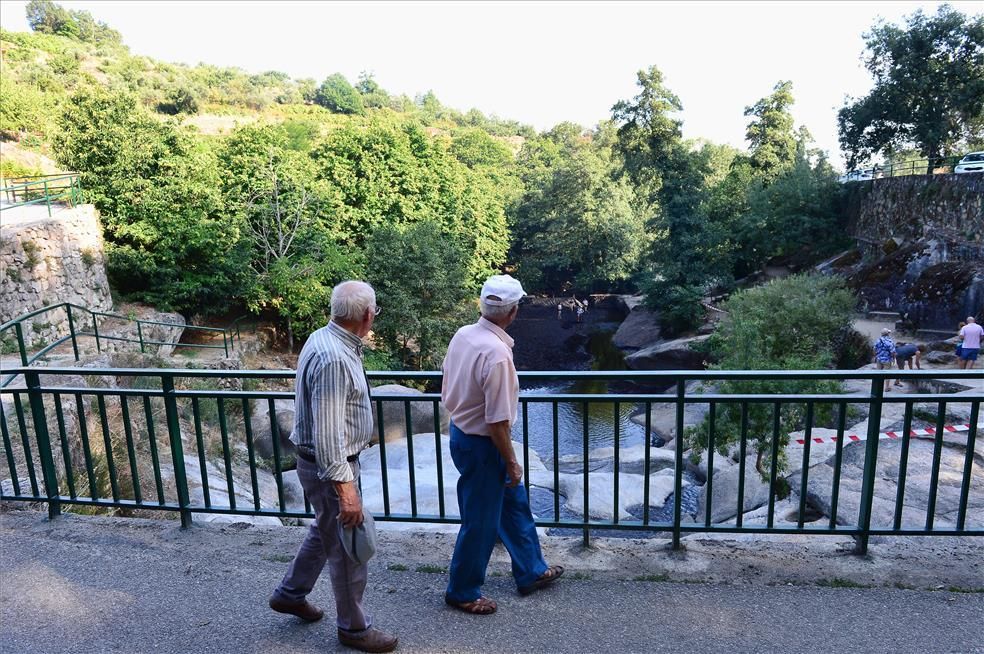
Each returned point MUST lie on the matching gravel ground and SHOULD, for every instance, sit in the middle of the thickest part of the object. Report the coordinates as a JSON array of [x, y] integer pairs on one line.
[[97, 584]]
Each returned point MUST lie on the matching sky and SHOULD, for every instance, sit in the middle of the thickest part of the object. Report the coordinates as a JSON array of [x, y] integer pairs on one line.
[[540, 63]]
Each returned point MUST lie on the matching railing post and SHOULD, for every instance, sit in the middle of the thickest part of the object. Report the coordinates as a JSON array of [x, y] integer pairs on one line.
[[44, 443], [177, 450], [678, 462], [47, 198], [71, 330], [95, 330], [225, 344], [140, 336], [870, 461], [19, 331]]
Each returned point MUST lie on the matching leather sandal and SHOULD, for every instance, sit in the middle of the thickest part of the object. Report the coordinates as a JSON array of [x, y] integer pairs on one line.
[[480, 606], [552, 574]]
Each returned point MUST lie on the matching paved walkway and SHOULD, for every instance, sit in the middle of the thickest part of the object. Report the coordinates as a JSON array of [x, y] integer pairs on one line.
[[82, 584]]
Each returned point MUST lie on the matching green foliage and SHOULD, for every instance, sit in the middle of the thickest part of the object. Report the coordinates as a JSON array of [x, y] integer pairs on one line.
[[770, 132], [575, 224], [24, 108], [928, 87], [337, 95], [179, 101], [789, 324], [47, 17], [293, 248], [158, 191], [420, 275], [387, 174]]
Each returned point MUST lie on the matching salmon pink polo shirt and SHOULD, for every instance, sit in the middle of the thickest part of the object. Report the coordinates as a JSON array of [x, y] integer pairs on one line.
[[480, 383]]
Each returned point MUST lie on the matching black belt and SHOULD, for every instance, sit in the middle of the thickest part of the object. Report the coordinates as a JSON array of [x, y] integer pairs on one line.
[[309, 456]]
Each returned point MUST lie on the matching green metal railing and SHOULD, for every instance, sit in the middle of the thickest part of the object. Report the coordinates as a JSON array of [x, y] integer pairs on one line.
[[230, 334], [170, 421], [41, 189]]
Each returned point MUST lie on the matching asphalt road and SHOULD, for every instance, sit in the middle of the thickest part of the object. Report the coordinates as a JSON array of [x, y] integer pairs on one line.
[[89, 585]]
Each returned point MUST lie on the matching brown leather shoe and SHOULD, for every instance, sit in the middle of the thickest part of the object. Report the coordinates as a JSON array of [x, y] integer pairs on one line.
[[373, 640], [304, 610]]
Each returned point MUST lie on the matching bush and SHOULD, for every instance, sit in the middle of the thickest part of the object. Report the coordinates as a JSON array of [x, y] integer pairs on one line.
[[798, 323]]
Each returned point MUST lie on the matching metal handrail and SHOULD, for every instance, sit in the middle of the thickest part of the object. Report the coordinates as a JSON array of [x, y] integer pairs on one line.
[[230, 334], [140, 452], [42, 188]]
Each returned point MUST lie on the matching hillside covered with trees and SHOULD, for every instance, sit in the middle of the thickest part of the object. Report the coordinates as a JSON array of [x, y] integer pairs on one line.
[[219, 188]]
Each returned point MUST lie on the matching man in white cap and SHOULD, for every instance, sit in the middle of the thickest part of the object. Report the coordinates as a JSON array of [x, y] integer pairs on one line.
[[481, 391], [885, 353]]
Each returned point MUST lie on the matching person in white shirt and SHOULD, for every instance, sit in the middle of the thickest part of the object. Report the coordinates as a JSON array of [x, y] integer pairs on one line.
[[971, 335]]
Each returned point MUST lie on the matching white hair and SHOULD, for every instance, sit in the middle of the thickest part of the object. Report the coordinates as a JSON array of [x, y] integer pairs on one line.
[[496, 311], [971, 319], [350, 299]]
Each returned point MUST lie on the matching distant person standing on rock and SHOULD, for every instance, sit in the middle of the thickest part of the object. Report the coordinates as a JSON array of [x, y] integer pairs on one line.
[[971, 335], [560, 309], [481, 391], [885, 353], [332, 424], [580, 312]]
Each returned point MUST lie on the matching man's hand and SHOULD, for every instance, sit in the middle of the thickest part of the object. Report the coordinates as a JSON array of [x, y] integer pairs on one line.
[[349, 504], [515, 472]]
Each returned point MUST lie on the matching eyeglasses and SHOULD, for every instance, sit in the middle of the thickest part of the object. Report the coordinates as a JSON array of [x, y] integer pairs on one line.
[[376, 310]]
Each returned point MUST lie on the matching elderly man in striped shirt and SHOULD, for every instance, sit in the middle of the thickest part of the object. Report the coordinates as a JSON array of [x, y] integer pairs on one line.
[[332, 424]]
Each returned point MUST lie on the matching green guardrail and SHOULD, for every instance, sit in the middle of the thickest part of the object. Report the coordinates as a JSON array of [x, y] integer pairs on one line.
[[121, 469], [230, 334], [41, 189]]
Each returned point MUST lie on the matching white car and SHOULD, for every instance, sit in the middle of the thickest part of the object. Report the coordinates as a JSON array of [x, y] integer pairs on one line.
[[971, 163]]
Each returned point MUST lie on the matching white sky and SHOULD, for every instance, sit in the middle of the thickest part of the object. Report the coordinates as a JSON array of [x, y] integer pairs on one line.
[[537, 62]]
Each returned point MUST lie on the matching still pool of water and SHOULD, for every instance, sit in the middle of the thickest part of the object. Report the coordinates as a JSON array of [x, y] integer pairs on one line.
[[601, 420]]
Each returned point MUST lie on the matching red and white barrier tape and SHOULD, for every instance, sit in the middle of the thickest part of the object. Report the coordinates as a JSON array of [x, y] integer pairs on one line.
[[887, 435]]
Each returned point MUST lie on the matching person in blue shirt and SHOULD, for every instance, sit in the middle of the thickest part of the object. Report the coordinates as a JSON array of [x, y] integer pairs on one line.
[[885, 354]]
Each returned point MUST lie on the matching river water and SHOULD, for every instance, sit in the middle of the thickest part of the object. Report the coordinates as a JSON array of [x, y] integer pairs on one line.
[[603, 422]]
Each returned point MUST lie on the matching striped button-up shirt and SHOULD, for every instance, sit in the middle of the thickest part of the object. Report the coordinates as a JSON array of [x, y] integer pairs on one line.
[[332, 411]]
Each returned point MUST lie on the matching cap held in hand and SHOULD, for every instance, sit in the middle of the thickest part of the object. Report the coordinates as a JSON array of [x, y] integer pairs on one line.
[[359, 542]]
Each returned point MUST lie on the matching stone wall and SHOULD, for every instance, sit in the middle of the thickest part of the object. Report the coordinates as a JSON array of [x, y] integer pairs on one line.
[[48, 260], [946, 208]]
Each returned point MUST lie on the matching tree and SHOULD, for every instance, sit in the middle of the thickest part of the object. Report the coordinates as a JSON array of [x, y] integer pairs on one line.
[[575, 223], [373, 95], [158, 191], [814, 312], [648, 132], [420, 275], [397, 174], [671, 177], [295, 250], [337, 95], [46, 17], [770, 132], [928, 88]]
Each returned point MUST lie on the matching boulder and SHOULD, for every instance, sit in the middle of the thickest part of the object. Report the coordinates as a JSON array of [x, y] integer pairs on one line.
[[662, 415], [669, 355], [724, 493], [639, 330], [940, 358], [601, 492], [263, 430], [394, 414], [917, 484]]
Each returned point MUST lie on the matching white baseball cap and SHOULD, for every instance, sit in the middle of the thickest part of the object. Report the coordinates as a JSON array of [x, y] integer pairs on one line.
[[500, 290], [886, 331]]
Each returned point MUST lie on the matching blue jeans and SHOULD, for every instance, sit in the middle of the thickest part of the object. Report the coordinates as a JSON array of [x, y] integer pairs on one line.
[[489, 509]]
